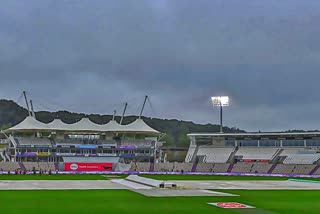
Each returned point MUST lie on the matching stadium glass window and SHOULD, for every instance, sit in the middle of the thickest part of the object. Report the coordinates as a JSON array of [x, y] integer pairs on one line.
[[268, 143], [293, 143], [313, 142], [253, 143], [230, 143]]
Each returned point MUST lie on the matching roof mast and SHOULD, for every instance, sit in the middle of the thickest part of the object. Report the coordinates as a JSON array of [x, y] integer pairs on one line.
[[25, 98], [124, 111], [32, 110], [144, 104], [114, 114]]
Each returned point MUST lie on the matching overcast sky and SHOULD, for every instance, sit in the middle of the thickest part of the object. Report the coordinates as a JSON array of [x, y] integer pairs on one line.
[[92, 56]]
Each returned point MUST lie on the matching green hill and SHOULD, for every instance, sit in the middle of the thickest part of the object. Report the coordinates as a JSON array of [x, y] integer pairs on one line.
[[11, 114]]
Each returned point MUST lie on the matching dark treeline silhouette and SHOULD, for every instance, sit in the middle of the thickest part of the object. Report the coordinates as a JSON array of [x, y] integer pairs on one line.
[[11, 114]]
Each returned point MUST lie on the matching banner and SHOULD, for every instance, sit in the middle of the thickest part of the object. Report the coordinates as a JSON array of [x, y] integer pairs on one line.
[[254, 160], [88, 166], [43, 154]]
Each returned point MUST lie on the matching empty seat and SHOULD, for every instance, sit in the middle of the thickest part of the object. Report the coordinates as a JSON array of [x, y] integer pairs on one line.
[[33, 141], [140, 167], [242, 167], [9, 166], [283, 169], [258, 153], [261, 167], [215, 155]]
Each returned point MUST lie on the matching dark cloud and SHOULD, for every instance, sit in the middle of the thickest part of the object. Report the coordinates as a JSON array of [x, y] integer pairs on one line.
[[91, 56]]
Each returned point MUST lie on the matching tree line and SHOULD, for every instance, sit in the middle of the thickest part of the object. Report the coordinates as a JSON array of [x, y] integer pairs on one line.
[[176, 130]]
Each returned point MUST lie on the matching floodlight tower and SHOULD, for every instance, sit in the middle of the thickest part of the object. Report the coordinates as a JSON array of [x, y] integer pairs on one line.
[[220, 101]]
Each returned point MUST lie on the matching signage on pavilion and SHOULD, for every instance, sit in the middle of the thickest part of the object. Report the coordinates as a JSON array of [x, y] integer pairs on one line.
[[230, 205], [88, 166]]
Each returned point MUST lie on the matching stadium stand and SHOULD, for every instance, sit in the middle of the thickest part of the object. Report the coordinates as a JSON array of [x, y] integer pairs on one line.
[[142, 143], [190, 154], [32, 141], [122, 167], [173, 167], [39, 166], [257, 153], [283, 169], [186, 167], [204, 167], [261, 167], [212, 167], [300, 156], [317, 172], [9, 166], [303, 169], [140, 167], [215, 155], [220, 167], [164, 167], [91, 159], [69, 141], [242, 167]]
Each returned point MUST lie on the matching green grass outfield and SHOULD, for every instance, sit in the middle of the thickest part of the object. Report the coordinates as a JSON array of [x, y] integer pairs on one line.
[[124, 201]]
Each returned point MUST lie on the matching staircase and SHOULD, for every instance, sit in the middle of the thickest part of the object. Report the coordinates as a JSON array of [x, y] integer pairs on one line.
[[56, 166], [194, 157], [7, 157], [194, 167], [230, 168], [22, 166], [314, 170], [13, 141], [231, 158], [272, 168], [151, 169], [275, 158], [2, 156]]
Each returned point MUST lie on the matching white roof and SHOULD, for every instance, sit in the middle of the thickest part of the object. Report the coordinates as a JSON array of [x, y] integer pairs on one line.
[[58, 125], [30, 123], [112, 126], [84, 125], [140, 125]]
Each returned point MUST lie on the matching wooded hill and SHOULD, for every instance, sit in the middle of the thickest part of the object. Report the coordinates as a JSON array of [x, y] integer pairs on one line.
[[11, 114]]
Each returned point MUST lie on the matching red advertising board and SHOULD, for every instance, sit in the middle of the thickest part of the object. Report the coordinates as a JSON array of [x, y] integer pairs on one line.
[[88, 166]]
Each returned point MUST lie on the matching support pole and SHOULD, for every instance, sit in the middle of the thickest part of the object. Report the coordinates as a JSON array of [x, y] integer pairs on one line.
[[114, 115], [32, 110], [221, 125], [124, 111], [25, 98], [144, 104]]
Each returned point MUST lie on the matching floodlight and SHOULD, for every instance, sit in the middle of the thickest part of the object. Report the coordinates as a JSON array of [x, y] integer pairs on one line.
[[220, 101]]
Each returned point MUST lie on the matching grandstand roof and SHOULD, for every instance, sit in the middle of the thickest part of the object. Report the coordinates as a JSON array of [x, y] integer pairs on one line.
[[112, 125], [58, 125], [139, 124], [29, 124], [257, 134], [84, 125]]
